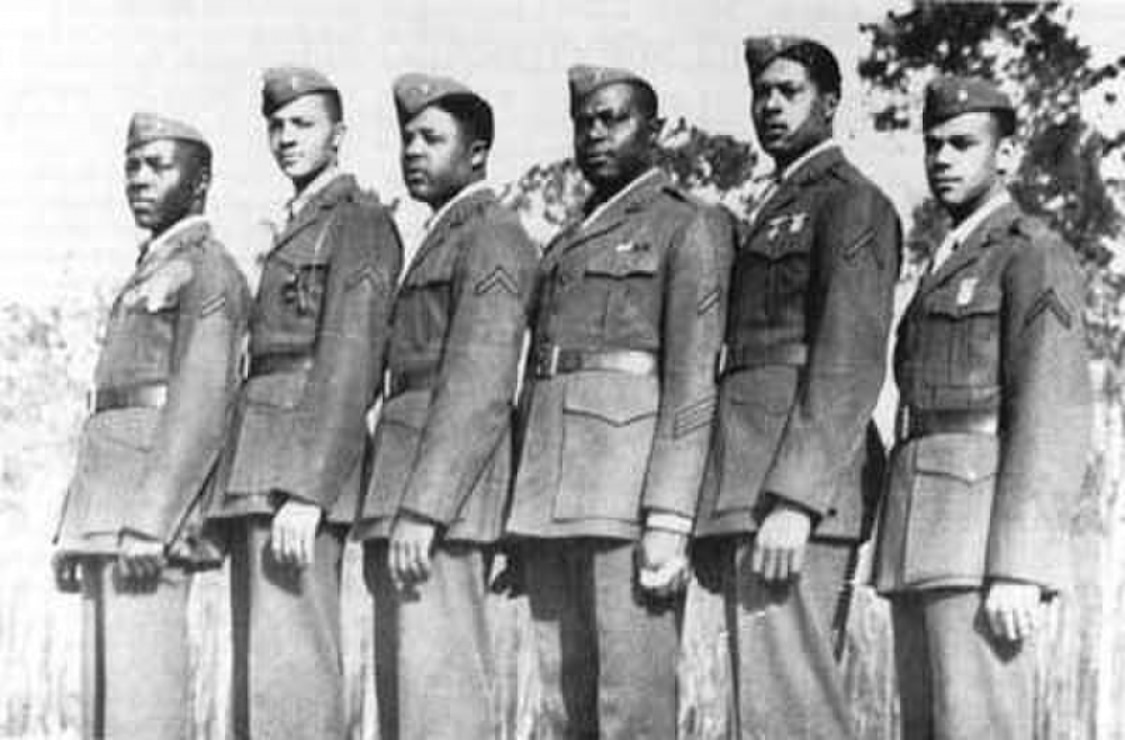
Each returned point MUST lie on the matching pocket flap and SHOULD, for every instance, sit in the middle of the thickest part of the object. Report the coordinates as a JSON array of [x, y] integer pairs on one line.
[[281, 390], [408, 409], [963, 298], [616, 398], [627, 258], [966, 457]]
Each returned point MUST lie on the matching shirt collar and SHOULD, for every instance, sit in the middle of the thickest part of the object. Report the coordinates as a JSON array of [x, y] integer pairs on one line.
[[961, 232], [301, 199], [784, 174], [158, 246], [637, 181], [462, 194]]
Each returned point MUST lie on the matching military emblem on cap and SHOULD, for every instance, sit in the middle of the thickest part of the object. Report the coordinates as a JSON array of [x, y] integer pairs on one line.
[[585, 79], [145, 127], [950, 96], [414, 91], [282, 85]]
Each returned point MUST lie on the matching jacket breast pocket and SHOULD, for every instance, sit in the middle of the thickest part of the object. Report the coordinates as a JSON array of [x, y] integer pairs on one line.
[[777, 268], [630, 282], [949, 513], [608, 425], [422, 307], [295, 286], [960, 342]]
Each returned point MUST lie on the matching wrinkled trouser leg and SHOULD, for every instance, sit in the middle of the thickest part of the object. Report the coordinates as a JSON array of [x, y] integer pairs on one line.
[[434, 666], [607, 653], [288, 676], [135, 654], [955, 680], [788, 683]]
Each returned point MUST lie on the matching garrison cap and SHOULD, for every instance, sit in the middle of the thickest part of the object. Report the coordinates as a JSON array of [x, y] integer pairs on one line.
[[950, 96], [585, 79], [415, 91], [823, 67], [282, 85], [145, 127]]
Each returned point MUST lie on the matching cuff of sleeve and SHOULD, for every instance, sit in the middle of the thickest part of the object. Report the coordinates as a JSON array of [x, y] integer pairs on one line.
[[669, 522]]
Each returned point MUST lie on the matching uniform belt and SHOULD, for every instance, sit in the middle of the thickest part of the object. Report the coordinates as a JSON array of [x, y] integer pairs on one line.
[[418, 379], [551, 360], [747, 356], [279, 363], [149, 395], [923, 423]]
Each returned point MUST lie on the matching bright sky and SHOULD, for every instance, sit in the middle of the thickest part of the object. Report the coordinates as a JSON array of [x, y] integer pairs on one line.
[[73, 72]]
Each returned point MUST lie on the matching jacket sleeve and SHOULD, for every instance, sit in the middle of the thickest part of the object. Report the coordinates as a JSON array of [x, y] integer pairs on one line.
[[210, 326], [348, 356], [1045, 418], [694, 317], [472, 398], [855, 267]]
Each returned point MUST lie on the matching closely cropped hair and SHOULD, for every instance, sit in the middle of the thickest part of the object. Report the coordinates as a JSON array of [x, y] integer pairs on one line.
[[821, 63], [473, 114]]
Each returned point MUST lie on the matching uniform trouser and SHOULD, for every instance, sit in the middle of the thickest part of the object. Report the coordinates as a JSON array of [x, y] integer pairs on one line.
[[788, 684], [434, 666], [288, 673], [607, 652], [135, 681], [956, 680]]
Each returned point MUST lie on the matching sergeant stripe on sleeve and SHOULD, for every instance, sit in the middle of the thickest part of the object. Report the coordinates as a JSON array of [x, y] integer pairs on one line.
[[708, 301], [367, 273], [498, 279], [865, 240], [694, 416], [212, 305], [1048, 300]]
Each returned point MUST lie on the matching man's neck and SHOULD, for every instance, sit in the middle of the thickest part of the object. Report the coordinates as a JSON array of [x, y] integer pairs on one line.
[[959, 214]]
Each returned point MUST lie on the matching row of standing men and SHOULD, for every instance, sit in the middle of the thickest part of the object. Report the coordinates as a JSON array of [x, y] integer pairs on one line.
[[690, 378]]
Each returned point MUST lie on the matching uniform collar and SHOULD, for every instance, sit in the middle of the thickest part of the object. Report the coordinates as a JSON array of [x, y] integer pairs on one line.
[[159, 247], [310, 191], [648, 176], [960, 233], [786, 173], [461, 196]]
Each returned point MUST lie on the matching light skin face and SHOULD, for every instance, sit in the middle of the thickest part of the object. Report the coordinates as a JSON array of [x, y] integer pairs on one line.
[[163, 184], [612, 138], [303, 138], [438, 160], [964, 159], [791, 115]]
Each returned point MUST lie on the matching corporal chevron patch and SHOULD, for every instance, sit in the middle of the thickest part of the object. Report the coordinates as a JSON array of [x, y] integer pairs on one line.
[[693, 417], [367, 273], [1048, 302], [212, 305], [498, 279], [709, 301], [861, 243]]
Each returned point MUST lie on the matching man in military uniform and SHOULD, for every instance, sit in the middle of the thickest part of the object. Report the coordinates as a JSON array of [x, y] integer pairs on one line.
[[293, 472], [442, 451], [811, 303], [621, 396], [129, 535], [994, 429]]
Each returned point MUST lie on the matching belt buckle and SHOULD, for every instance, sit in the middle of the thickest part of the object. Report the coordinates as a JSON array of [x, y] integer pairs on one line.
[[91, 401], [721, 360]]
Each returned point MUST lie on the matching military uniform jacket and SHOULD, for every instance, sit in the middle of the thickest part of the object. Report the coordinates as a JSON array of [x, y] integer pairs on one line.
[[601, 447], [811, 305], [177, 324], [443, 449], [997, 327], [324, 296]]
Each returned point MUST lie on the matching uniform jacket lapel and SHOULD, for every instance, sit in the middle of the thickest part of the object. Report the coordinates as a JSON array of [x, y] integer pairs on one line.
[[460, 212], [792, 186], [969, 252], [313, 211], [613, 216]]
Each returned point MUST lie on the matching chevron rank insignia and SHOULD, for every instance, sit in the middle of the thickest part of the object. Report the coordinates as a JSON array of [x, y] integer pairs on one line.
[[498, 279], [1048, 302]]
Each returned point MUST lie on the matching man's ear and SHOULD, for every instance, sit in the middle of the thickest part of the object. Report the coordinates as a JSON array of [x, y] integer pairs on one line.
[[655, 127], [478, 155], [1008, 156], [830, 102], [339, 130]]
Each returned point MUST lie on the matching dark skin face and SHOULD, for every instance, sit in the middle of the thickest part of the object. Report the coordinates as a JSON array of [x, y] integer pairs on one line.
[[613, 139], [164, 183], [964, 157], [791, 115], [438, 159], [303, 138]]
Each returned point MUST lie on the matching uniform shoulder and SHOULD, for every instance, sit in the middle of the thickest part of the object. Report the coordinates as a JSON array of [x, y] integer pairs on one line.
[[216, 271], [498, 234], [1035, 241]]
